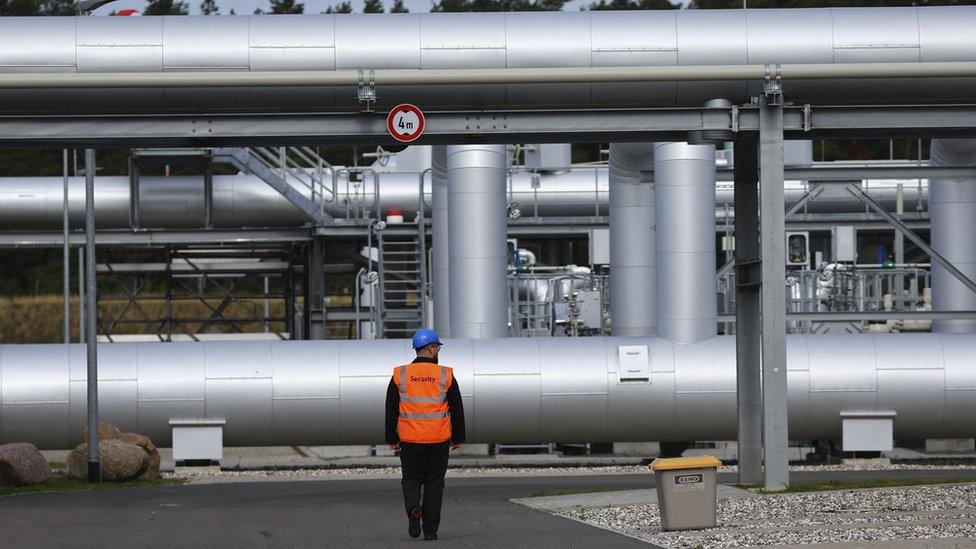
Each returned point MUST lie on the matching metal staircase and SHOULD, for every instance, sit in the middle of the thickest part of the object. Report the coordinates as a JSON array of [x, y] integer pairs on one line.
[[298, 173], [402, 282]]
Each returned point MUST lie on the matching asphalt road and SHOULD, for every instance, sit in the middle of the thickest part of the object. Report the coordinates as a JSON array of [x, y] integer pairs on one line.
[[331, 513], [338, 513]]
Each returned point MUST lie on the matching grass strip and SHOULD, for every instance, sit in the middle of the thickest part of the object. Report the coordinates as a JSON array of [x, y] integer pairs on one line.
[[854, 485], [61, 483]]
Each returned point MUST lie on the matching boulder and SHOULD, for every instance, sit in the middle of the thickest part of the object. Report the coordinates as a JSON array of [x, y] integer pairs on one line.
[[152, 470], [120, 460], [21, 464], [106, 431]]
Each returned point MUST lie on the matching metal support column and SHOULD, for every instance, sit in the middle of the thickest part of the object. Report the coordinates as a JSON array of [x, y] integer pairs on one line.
[[81, 294], [94, 458], [315, 289], [66, 264], [772, 256], [747, 334]]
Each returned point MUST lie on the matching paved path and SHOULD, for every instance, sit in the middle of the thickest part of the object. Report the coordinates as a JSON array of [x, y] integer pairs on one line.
[[352, 513]]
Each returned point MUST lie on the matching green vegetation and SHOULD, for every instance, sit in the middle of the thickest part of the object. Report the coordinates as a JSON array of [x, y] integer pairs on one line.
[[61, 483], [857, 484], [57, 465]]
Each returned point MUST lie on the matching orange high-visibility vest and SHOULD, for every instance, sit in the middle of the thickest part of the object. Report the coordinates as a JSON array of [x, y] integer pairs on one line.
[[424, 414]]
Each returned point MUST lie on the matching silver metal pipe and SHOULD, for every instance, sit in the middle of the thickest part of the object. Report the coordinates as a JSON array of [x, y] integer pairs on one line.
[[66, 255], [653, 57], [478, 246], [467, 77], [440, 241], [633, 271], [684, 181], [953, 210], [246, 201], [94, 457], [515, 389]]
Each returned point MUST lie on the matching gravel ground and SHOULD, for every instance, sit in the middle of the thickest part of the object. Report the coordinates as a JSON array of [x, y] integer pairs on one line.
[[923, 512]]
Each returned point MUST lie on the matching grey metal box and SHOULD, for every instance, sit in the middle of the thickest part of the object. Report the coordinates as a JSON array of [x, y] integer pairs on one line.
[[867, 430], [198, 438], [686, 492], [843, 244], [599, 246]]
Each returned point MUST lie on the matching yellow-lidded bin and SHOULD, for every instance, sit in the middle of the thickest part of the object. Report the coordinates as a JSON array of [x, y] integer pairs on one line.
[[686, 491]]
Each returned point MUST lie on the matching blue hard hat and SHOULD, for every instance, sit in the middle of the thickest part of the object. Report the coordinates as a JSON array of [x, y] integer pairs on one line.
[[424, 337]]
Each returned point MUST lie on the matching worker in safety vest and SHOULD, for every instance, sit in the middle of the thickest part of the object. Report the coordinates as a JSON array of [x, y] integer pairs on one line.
[[424, 421]]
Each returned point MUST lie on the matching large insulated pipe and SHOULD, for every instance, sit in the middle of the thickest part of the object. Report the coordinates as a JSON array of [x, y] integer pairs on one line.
[[633, 284], [516, 389], [953, 211], [440, 247], [477, 217], [246, 201], [482, 41], [684, 180]]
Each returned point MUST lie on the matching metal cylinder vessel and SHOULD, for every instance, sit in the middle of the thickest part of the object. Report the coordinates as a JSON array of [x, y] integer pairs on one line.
[[684, 179], [515, 389], [953, 210], [481, 41], [477, 240], [633, 271]]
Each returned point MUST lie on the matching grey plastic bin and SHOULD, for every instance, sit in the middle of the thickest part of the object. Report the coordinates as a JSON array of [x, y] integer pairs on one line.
[[686, 492]]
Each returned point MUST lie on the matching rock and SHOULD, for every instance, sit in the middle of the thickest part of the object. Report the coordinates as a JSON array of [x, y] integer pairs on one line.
[[21, 464], [152, 470], [120, 460], [106, 431]]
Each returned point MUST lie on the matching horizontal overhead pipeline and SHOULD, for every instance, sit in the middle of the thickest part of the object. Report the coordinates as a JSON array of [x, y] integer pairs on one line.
[[433, 77]]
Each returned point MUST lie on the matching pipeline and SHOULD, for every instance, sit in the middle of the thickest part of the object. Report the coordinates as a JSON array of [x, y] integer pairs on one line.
[[484, 60], [516, 389]]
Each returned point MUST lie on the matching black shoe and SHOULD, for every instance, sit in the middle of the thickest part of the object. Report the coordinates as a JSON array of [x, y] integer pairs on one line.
[[430, 536], [415, 515]]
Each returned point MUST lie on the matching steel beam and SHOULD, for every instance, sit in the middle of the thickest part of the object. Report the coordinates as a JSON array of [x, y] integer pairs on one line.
[[772, 221], [315, 290], [445, 127], [747, 333]]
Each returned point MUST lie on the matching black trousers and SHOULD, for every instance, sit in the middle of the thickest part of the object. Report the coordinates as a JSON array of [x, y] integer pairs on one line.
[[424, 466]]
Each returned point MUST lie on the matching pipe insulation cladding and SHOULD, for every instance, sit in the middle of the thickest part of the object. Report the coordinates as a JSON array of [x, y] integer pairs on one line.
[[246, 201], [633, 273], [953, 214], [515, 389], [480, 42], [684, 180], [478, 225]]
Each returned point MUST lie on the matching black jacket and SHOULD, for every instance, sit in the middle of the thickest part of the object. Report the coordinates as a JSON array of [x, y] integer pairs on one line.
[[454, 404]]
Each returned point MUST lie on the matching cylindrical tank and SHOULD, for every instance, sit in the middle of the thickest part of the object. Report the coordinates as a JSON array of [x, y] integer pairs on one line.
[[953, 210], [515, 389], [633, 283], [482, 41], [477, 240], [684, 179]]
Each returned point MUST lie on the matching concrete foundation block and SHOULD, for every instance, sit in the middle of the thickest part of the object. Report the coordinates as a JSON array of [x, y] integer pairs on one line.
[[949, 445]]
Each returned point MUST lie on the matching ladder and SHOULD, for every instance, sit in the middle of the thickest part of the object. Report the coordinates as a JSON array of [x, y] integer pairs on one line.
[[402, 282]]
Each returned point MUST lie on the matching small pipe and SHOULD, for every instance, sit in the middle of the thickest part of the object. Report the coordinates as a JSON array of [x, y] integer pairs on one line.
[[428, 77]]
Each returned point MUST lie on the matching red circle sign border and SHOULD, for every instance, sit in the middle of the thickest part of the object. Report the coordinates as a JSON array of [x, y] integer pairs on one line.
[[405, 107]]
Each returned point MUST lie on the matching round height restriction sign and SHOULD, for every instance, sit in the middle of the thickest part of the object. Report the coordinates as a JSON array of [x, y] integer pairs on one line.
[[405, 122]]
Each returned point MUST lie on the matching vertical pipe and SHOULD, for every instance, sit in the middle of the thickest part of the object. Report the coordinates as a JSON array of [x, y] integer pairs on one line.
[[899, 246], [441, 269], [953, 212], [81, 294], [633, 271], [772, 299], [476, 176], [94, 459], [684, 179], [66, 263]]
